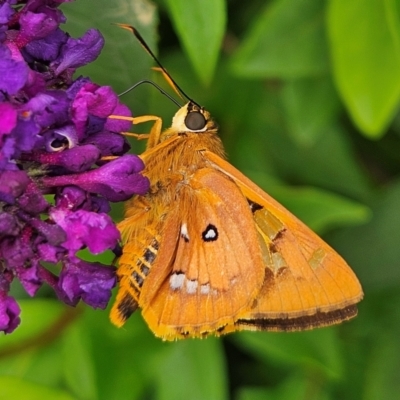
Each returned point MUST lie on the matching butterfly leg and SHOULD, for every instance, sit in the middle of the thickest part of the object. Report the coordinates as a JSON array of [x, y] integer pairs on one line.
[[154, 135]]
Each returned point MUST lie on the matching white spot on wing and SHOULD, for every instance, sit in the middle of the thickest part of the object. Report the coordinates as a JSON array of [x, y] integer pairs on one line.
[[191, 286], [176, 281], [210, 234], [205, 289], [184, 232]]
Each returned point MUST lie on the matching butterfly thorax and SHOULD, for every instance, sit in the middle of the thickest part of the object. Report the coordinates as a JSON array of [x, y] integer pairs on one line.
[[178, 153]]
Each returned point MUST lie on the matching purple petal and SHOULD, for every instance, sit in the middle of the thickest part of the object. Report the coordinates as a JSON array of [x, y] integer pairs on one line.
[[49, 108], [15, 251], [35, 84], [50, 253], [26, 135], [94, 125], [7, 153], [78, 52], [119, 125], [70, 198], [8, 225], [29, 277], [53, 234], [90, 281], [6, 278], [8, 118], [32, 201], [99, 100], [74, 198], [76, 86], [48, 48], [13, 74], [109, 143], [12, 185], [86, 228], [6, 12], [116, 181], [35, 26], [9, 313], [77, 159], [100, 204], [94, 100]]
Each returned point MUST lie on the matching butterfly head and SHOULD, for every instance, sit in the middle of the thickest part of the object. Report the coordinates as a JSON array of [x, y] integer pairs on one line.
[[193, 118]]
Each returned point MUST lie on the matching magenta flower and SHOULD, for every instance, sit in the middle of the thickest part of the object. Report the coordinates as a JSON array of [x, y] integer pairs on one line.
[[54, 134]]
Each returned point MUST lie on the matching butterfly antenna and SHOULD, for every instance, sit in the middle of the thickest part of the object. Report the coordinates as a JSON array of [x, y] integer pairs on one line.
[[147, 48], [156, 86]]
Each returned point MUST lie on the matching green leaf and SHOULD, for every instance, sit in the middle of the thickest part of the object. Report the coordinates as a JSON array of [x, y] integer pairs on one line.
[[200, 25], [286, 41], [254, 393], [79, 368], [383, 370], [15, 388], [373, 250], [131, 350], [199, 368], [294, 387], [328, 163], [318, 350], [311, 104], [365, 47]]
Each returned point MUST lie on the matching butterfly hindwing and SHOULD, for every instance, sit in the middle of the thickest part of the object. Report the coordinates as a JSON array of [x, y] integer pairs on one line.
[[199, 283]]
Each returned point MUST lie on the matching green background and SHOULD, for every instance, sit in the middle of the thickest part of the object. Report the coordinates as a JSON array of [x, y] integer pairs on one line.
[[306, 93]]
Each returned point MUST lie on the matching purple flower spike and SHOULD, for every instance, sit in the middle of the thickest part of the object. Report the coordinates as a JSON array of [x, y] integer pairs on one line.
[[56, 177], [9, 313]]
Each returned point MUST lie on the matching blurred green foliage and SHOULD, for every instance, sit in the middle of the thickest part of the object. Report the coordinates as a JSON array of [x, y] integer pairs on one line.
[[306, 93]]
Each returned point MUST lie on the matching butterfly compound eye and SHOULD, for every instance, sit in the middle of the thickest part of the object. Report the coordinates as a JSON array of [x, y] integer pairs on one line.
[[195, 121]]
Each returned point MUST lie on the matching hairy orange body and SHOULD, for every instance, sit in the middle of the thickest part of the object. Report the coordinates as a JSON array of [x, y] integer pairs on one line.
[[206, 251]]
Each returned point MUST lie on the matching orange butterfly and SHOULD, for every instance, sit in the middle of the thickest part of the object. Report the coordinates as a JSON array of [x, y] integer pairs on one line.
[[206, 251]]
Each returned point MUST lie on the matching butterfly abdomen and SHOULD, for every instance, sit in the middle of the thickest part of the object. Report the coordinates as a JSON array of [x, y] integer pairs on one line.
[[141, 244]]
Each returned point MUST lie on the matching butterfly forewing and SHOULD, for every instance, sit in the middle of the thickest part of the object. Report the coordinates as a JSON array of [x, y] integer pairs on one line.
[[203, 284]]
